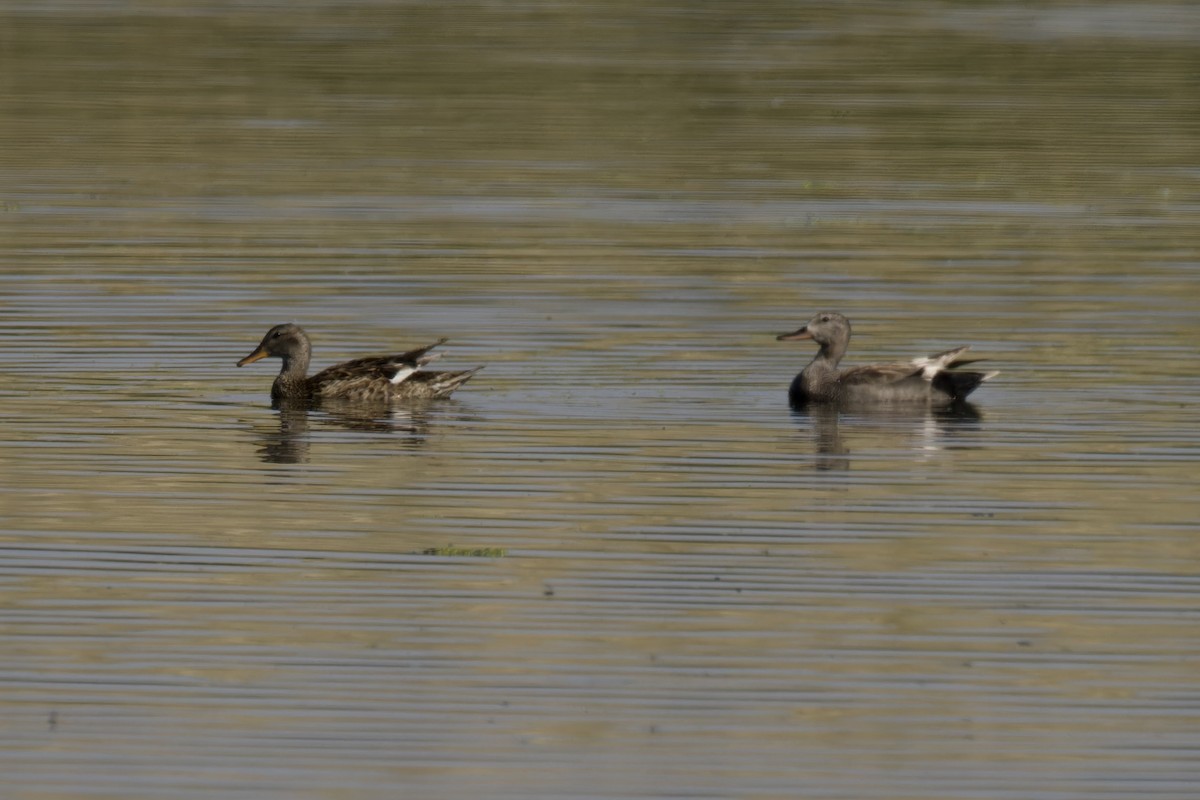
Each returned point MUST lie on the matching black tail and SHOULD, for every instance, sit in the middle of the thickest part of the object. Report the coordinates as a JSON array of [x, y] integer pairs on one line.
[[960, 384]]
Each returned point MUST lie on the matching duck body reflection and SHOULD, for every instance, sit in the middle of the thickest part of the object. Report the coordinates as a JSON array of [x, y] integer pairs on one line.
[[289, 438], [921, 430]]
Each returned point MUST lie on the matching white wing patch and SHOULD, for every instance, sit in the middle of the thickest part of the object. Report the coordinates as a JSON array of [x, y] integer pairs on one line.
[[402, 375], [930, 366], [406, 371]]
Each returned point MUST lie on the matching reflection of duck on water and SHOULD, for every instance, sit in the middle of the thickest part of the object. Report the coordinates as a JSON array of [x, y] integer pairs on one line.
[[375, 379], [928, 381], [289, 443], [924, 429]]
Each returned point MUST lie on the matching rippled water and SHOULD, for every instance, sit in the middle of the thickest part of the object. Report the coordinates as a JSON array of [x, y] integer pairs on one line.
[[616, 564]]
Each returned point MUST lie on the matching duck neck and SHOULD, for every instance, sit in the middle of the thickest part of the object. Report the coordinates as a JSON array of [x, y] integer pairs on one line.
[[831, 352], [291, 381]]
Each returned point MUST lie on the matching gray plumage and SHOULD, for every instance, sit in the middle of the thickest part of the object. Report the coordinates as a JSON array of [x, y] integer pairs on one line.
[[930, 380]]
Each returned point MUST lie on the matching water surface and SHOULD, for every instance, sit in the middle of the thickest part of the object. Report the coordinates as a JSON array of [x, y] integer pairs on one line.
[[616, 564]]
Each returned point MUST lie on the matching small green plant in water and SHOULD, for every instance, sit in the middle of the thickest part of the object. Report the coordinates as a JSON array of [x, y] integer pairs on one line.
[[465, 552]]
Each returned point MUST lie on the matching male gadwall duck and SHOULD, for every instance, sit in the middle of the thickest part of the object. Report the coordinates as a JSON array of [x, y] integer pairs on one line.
[[372, 380], [920, 381]]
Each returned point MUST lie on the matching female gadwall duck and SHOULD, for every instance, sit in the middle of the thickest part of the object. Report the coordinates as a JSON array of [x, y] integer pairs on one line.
[[372, 379], [922, 380]]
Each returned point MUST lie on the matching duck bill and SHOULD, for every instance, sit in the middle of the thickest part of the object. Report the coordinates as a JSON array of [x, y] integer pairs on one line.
[[803, 333], [255, 356]]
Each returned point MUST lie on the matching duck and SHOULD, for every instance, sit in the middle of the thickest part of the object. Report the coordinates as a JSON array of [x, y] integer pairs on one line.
[[373, 379], [929, 380]]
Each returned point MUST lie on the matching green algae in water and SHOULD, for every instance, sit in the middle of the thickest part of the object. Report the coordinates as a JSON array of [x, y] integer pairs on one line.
[[465, 552]]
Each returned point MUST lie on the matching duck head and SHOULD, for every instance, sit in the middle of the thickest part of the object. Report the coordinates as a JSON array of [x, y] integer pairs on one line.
[[287, 341], [826, 328]]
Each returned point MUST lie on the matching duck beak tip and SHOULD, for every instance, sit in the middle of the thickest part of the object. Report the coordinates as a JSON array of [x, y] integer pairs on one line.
[[250, 359]]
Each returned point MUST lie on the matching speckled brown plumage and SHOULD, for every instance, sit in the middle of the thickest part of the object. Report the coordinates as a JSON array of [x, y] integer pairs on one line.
[[374, 379], [927, 380]]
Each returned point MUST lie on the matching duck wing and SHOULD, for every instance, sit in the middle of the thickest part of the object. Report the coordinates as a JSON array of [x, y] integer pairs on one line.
[[434, 384], [393, 369], [932, 365], [879, 374]]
